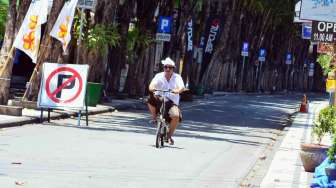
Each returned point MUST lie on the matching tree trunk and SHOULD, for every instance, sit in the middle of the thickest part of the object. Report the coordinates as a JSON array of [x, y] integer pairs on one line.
[[117, 56], [105, 14], [212, 75], [141, 70], [9, 32], [6, 53], [5, 77]]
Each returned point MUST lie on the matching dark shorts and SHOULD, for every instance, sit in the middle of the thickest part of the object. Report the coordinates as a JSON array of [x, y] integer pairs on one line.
[[171, 109]]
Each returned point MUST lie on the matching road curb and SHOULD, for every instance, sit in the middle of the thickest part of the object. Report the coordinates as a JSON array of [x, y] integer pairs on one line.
[[59, 115], [64, 115], [260, 169], [266, 155]]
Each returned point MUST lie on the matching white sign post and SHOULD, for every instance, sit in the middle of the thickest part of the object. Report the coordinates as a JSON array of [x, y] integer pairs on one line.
[[244, 53], [63, 86], [311, 70]]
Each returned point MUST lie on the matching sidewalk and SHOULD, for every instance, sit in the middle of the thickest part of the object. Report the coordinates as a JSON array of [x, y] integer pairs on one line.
[[33, 116], [286, 169]]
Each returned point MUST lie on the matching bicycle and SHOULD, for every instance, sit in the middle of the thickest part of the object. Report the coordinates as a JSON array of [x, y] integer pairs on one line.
[[162, 125]]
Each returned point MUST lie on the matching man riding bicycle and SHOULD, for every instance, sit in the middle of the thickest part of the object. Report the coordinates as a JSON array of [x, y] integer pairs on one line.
[[167, 80]]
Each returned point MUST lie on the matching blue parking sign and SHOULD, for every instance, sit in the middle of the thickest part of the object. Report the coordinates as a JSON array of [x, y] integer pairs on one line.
[[164, 24], [289, 58], [306, 31], [262, 54], [245, 49]]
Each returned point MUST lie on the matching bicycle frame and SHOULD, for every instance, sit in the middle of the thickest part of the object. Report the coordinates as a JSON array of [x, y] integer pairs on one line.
[[161, 118], [162, 125]]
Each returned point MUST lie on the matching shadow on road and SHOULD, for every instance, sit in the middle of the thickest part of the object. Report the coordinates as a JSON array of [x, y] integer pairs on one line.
[[230, 119], [166, 146]]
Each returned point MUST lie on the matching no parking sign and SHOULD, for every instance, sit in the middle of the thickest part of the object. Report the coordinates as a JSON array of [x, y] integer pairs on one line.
[[63, 86]]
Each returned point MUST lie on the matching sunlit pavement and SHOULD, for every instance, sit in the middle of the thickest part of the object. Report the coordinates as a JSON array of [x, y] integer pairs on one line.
[[217, 144]]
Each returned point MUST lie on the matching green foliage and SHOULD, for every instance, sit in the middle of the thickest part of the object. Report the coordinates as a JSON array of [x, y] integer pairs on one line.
[[325, 61], [102, 37], [282, 11], [332, 149], [136, 39], [326, 123], [99, 37], [3, 18], [76, 26], [198, 5], [177, 3]]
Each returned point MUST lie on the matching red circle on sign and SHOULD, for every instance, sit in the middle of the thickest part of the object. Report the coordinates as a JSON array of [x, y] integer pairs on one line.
[[51, 95]]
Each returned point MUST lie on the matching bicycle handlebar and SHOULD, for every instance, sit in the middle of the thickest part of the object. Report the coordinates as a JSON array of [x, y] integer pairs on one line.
[[164, 91], [169, 91]]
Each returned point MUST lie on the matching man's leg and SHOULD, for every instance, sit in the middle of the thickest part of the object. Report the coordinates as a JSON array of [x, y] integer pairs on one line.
[[174, 114], [152, 110], [172, 126], [152, 104]]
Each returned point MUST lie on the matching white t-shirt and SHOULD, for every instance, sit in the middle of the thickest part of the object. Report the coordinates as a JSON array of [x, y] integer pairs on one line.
[[160, 82]]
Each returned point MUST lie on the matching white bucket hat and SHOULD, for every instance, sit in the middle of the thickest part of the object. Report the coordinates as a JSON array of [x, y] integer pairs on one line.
[[168, 61]]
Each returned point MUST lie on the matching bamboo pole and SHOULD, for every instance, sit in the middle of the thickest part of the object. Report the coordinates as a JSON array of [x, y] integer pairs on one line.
[[30, 81], [10, 56], [39, 61], [5, 76]]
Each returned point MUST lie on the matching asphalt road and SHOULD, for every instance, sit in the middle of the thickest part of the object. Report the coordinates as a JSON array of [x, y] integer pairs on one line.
[[217, 144]]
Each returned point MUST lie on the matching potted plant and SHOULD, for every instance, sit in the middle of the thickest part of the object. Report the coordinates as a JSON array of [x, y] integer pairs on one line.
[[313, 154]]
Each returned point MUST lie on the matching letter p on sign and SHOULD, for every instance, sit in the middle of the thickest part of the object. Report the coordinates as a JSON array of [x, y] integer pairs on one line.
[[164, 24]]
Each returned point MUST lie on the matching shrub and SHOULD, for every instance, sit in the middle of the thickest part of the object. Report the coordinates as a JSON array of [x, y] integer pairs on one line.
[[326, 123]]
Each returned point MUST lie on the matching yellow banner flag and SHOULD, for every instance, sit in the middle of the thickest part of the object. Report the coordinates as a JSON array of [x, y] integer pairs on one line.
[[29, 35], [62, 28]]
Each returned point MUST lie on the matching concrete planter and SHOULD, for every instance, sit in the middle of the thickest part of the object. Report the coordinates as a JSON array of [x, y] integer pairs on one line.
[[312, 155]]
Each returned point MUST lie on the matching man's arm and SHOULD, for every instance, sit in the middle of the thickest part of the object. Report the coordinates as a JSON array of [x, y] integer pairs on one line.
[[180, 86], [178, 90], [151, 86], [153, 83]]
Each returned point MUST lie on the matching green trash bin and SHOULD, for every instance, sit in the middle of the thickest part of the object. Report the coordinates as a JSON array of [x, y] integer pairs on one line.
[[199, 91], [93, 91]]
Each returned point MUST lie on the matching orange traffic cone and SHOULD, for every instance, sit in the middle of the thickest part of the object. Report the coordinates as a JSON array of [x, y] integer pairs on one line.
[[304, 104]]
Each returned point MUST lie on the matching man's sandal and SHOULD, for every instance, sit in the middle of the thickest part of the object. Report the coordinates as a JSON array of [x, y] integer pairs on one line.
[[170, 141]]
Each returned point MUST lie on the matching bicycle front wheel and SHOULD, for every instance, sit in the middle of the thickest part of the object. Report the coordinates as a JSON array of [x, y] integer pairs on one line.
[[158, 135]]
